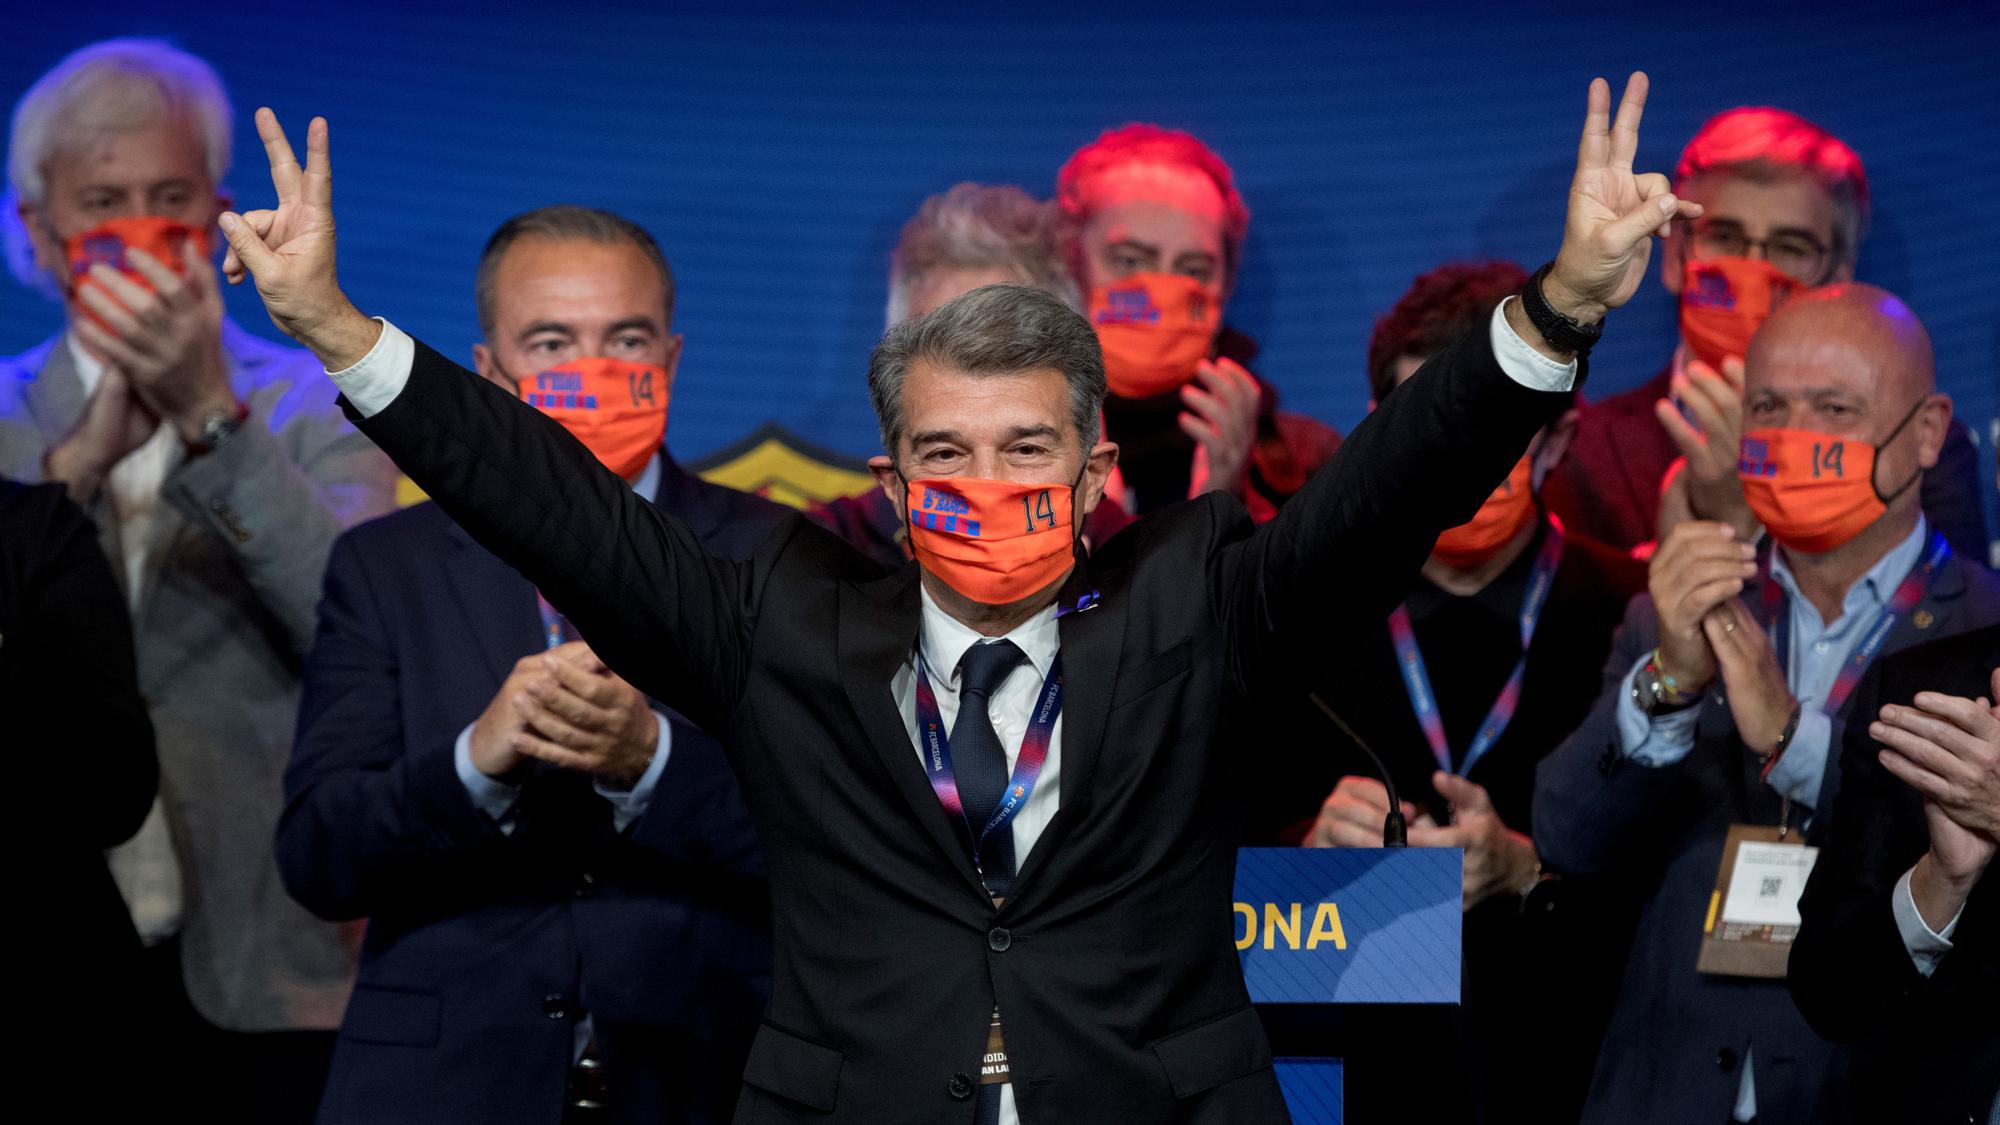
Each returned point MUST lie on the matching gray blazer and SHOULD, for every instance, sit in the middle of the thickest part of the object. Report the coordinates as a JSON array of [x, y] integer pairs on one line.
[[1677, 1038], [225, 614]]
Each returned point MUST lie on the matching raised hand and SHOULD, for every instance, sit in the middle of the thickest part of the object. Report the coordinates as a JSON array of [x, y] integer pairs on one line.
[[1948, 749], [1613, 212], [114, 423], [1760, 698], [1221, 417], [1714, 492], [289, 251]]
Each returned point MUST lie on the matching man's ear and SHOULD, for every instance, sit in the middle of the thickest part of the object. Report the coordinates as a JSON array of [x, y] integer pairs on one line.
[[1673, 259], [888, 480], [47, 248], [1096, 474], [489, 370], [675, 343], [1933, 423]]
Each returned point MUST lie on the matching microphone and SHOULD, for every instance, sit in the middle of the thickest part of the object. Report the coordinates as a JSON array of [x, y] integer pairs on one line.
[[1395, 830]]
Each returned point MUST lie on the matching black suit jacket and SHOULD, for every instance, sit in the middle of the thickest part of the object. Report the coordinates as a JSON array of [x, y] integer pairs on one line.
[[481, 947], [1113, 963], [81, 764], [1924, 1049]]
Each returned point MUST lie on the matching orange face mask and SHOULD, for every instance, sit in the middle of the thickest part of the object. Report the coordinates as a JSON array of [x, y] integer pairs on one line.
[[1813, 491], [616, 407], [1155, 329], [1724, 301], [994, 541], [1498, 520], [107, 242]]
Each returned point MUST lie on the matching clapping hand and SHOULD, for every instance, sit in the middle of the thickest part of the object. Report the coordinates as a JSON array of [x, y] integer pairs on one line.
[[1947, 748]]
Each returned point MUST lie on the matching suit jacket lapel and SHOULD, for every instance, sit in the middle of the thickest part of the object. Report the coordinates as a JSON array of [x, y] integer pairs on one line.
[[1091, 642], [876, 633], [498, 603]]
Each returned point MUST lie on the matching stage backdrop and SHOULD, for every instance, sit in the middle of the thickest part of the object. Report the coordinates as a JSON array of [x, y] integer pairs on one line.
[[776, 149]]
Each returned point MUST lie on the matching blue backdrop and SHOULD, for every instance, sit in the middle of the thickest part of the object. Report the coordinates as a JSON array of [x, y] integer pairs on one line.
[[776, 149]]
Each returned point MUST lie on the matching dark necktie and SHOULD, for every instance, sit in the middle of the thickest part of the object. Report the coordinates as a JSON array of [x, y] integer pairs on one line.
[[977, 758]]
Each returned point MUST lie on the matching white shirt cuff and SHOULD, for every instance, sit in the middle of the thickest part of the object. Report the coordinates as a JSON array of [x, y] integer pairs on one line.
[[628, 805], [1926, 946], [375, 381], [489, 795], [1658, 740], [1522, 363]]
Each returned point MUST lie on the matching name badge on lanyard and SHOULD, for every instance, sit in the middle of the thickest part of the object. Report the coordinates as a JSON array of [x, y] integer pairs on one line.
[[1753, 910], [1417, 679]]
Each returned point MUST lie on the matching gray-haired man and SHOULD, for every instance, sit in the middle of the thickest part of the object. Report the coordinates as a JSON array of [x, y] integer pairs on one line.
[[220, 475]]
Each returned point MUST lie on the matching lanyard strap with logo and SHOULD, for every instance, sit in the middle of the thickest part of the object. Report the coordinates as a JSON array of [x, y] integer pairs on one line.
[[1779, 622], [936, 746], [1417, 680]]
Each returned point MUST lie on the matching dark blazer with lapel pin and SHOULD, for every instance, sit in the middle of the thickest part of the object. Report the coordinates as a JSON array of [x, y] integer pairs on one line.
[[1678, 1038], [479, 943], [1113, 964], [1925, 1049]]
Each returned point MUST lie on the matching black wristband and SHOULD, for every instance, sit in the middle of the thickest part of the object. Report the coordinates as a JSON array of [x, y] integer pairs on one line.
[[1563, 333]]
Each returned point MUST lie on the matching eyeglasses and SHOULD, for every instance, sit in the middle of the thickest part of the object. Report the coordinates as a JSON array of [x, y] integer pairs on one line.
[[1800, 255]]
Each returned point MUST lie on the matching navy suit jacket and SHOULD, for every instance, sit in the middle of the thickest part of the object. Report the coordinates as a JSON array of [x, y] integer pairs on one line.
[[1678, 1038], [484, 948]]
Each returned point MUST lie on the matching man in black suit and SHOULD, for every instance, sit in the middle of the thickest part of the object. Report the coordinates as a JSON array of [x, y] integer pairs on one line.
[[1063, 934], [85, 773], [562, 884], [1898, 950]]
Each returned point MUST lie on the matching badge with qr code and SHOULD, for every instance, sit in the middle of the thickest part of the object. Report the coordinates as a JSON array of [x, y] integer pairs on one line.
[[1753, 913]]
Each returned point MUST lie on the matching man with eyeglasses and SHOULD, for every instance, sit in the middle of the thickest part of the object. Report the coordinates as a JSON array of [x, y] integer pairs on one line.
[[1786, 208]]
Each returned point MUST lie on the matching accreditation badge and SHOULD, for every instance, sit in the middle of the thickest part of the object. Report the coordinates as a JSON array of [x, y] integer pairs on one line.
[[1753, 913], [993, 1064]]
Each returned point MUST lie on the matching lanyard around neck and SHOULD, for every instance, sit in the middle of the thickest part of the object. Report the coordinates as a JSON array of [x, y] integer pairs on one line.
[[1417, 680], [1778, 620]]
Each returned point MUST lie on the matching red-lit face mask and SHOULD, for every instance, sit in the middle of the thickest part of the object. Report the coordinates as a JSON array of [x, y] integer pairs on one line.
[[1814, 492], [1498, 520], [994, 541], [1155, 329], [616, 407], [108, 241], [1724, 301]]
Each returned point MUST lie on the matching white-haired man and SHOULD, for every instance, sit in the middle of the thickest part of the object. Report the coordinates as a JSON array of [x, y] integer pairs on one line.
[[219, 473]]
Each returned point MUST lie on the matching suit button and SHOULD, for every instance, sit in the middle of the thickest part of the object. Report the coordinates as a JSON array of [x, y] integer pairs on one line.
[[1725, 1060], [552, 1006], [998, 939], [960, 1086]]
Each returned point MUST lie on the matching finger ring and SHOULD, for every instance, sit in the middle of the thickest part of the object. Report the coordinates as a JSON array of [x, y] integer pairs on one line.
[[1729, 626]]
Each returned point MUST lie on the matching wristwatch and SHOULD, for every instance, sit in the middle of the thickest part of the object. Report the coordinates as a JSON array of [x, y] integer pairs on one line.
[[218, 426], [1658, 693], [1563, 333]]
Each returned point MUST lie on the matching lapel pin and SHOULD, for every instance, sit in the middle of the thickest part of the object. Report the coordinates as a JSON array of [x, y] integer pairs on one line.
[[1923, 619]]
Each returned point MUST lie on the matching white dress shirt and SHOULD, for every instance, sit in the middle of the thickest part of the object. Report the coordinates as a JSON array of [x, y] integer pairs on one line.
[[377, 378]]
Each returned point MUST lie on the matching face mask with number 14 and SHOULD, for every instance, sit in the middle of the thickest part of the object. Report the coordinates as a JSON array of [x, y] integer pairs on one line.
[[616, 407], [994, 541]]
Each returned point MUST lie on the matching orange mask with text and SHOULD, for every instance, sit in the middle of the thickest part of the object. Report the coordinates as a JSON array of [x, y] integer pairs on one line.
[[616, 407], [107, 242], [1814, 492], [1155, 329], [1724, 301], [994, 541], [1498, 520]]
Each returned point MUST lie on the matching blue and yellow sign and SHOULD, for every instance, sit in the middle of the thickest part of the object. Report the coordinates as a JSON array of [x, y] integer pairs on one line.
[[1349, 925]]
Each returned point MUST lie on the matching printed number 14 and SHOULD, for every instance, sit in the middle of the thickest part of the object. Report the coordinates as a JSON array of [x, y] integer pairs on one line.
[[1038, 509], [1828, 459]]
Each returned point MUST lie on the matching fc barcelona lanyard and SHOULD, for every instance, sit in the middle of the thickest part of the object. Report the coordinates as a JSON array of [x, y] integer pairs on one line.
[[1417, 679], [936, 746], [1778, 621]]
